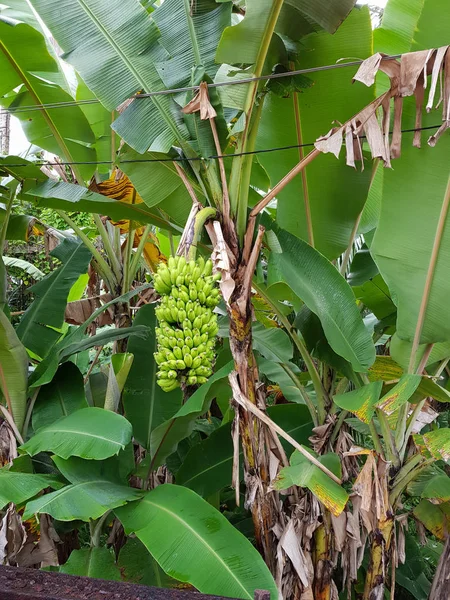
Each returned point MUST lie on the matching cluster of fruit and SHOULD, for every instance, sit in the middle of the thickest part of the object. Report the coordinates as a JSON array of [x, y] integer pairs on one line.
[[187, 324]]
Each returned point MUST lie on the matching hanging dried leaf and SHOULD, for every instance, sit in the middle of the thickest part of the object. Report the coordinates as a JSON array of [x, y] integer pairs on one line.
[[408, 76], [200, 103]]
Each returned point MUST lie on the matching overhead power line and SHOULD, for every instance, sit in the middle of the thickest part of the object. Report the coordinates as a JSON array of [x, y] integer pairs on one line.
[[194, 88], [185, 159]]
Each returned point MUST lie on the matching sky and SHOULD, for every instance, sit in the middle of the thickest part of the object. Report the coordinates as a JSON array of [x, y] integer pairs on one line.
[[19, 143]]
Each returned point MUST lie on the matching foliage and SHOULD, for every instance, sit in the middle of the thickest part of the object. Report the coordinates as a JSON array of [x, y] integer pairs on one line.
[[322, 424]]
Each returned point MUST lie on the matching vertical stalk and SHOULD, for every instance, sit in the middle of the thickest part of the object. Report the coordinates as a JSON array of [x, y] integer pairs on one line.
[[9, 205], [107, 245]]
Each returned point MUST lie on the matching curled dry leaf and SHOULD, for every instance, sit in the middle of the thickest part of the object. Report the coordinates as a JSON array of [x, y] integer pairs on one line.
[[222, 260], [408, 76], [200, 103]]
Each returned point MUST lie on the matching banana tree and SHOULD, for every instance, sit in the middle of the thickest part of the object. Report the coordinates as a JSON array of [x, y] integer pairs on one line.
[[182, 44]]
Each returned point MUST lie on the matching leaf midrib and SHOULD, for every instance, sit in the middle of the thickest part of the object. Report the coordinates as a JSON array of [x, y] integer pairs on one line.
[[202, 540], [35, 96], [129, 65]]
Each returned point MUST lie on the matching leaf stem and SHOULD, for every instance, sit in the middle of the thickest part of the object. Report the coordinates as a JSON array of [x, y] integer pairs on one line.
[[107, 245], [200, 219], [105, 270], [30, 412], [139, 250], [304, 394], [11, 423], [9, 206], [309, 363]]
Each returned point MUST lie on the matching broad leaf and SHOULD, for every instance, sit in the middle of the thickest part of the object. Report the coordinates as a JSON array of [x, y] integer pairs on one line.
[[89, 496], [303, 473], [437, 489], [13, 370], [275, 372], [18, 487], [146, 405], [92, 562], [400, 393], [273, 343], [207, 467], [313, 207], [326, 293], [68, 196], [137, 565], [91, 433], [19, 263], [38, 328], [126, 42], [165, 437], [361, 401], [61, 397], [435, 518], [176, 525], [25, 61]]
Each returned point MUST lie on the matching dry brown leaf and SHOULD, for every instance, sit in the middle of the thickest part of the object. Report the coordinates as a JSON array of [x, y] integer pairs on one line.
[[200, 103], [221, 258], [407, 76]]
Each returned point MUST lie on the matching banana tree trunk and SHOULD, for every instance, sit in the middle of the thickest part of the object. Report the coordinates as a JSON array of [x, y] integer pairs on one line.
[[380, 555], [323, 566], [253, 434], [440, 589]]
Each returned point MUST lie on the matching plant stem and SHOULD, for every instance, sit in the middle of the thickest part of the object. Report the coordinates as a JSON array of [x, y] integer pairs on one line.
[[342, 416], [107, 245], [309, 363], [96, 529], [29, 413], [200, 220], [137, 256], [9, 206], [376, 439], [105, 270], [126, 282], [11, 423], [305, 396], [391, 449]]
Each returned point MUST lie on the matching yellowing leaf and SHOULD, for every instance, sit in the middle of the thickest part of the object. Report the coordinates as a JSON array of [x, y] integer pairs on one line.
[[399, 394], [361, 402], [305, 474], [435, 518]]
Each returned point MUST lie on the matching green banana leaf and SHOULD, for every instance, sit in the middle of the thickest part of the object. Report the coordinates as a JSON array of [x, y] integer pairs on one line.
[[326, 293], [361, 401], [165, 438], [61, 397], [25, 62], [124, 65], [69, 197], [13, 371], [302, 118], [24, 265], [207, 467], [96, 562], [176, 525], [95, 487], [19, 487], [420, 287], [38, 328], [146, 405], [92, 433]]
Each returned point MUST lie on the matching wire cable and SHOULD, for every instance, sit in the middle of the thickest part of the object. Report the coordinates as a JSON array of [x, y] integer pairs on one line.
[[186, 159], [190, 88]]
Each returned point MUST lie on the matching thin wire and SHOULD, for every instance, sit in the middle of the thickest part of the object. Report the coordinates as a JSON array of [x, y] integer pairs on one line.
[[183, 159], [196, 87]]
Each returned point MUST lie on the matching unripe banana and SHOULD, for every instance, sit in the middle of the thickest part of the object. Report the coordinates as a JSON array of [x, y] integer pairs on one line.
[[187, 324]]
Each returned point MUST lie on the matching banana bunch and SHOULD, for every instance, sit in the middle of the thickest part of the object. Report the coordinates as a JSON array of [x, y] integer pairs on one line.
[[187, 324]]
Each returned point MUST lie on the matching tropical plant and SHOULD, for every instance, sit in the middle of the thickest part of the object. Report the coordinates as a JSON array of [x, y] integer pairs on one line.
[[333, 440]]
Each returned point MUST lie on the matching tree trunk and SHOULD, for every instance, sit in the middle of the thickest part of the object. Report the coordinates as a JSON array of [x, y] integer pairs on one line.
[[323, 566], [380, 554], [440, 589]]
